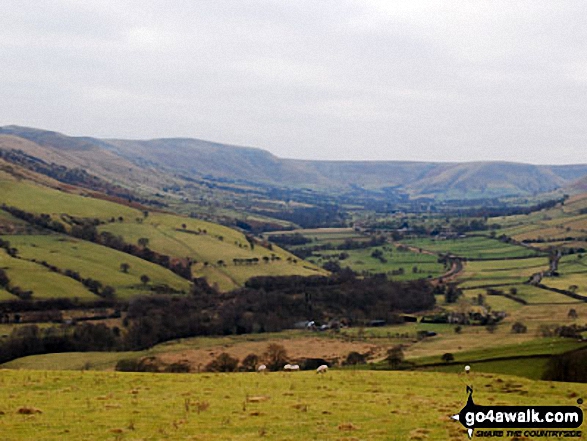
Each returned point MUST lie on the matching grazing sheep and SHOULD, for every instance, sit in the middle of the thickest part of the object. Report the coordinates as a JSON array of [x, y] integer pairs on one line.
[[294, 367], [287, 367], [262, 368], [322, 369]]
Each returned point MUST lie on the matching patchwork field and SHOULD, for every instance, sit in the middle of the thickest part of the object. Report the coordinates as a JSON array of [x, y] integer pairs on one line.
[[41, 399], [473, 247], [224, 256], [501, 271], [563, 223], [41, 281], [351, 249], [398, 264], [92, 261], [528, 360]]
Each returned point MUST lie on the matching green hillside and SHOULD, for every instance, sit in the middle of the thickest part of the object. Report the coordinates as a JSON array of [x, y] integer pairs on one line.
[[41, 281], [35, 198], [563, 225], [225, 257], [163, 163], [212, 249], [92, 261]]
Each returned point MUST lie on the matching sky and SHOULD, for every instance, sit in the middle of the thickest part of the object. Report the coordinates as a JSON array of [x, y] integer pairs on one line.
[[340, 80]]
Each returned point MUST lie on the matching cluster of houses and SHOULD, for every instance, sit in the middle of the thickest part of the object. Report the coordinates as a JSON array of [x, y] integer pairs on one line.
[[336, 324]]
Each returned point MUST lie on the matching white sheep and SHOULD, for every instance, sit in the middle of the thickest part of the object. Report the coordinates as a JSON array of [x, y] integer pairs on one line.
[[322, 369], [262, 368], [287, 367], [294, 367]]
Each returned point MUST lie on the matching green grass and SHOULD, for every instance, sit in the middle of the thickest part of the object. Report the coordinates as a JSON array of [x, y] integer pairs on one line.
[[497, 303], [537, 296], [527, 368], [38, 199], [322, 236], [5, 295], [536, 346], [573, 271], [481, 360], [566, 281], [496, 272], [96, 262], [361, 260], [410, 329], [531, 294], [277, 406], [7, 218], [472, 247], [550, 226], [45, 284], [213, 250], [208, 244]]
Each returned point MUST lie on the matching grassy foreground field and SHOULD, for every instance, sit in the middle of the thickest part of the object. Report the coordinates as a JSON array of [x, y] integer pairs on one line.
[[341, 405]]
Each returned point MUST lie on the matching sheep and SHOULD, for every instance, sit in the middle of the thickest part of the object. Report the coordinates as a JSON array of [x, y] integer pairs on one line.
[[287, 367], [262, 368], [322, 369], [294, 367]]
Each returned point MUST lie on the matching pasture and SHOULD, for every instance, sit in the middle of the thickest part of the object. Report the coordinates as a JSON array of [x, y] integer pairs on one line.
[[279, 406], [222, 255], [564, 225], [572, 274], [41, 281], [526, 359], [322, 235], [38, 199], [90, 261], [397, 264], [498, 272], [472, 247]]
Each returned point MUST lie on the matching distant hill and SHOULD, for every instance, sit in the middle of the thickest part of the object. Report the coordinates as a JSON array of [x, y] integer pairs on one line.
[[578, 186], [153, 164]]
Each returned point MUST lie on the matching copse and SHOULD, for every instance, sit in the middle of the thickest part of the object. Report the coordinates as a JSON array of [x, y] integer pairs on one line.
[[569, 367], [266, 305], [275, 356], [4, 280], [85, 229], [223, 363]]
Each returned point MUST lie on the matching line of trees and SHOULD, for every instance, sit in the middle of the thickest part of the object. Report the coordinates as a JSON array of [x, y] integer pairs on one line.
[[266, 304], [569, 367], [348, 244], [73, 176], [85, 229]]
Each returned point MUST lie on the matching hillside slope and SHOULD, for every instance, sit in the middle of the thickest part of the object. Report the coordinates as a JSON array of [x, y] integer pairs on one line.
[[158, 163], [60, 239]]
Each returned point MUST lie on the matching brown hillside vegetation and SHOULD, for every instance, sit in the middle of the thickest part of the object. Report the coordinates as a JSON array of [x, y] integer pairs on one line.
[[157, 163], [297, 349]]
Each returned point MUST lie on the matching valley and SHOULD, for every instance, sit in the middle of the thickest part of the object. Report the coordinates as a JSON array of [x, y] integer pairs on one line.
[[117, 258]]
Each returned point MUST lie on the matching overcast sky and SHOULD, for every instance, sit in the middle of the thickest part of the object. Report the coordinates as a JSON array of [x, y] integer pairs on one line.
[[369, 80]]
